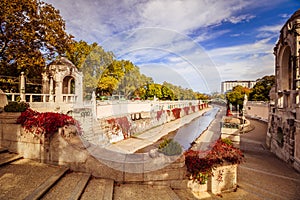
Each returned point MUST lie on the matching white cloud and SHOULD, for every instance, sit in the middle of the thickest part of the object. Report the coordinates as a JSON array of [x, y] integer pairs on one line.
[[241, 18], [273, 29], [155, 33], [247, 61]]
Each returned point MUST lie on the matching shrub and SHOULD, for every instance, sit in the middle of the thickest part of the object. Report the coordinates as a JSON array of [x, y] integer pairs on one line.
[[170, 148], [176, 112], [45, 123], [200, 166], [121, 123], [14, 106]]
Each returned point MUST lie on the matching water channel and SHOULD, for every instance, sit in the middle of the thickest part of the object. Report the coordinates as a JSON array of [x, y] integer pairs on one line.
[[189, 133]]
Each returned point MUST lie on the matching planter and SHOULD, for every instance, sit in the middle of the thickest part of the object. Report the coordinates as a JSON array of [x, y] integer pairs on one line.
[[224, 179]]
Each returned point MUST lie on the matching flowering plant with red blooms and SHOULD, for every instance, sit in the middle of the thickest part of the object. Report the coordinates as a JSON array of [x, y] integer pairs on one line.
[[200, 164], [193, 108], [186, 110], [45, 123], [176, 112], [159, 114], [121, 123]]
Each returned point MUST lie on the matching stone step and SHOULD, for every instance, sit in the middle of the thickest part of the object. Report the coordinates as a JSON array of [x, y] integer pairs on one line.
[[44, 187], [26, 178], [140, 191], [7, 157], [97, 188], [70, 186], [3, 149]]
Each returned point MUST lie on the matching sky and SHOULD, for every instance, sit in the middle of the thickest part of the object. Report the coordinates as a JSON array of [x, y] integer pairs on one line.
[[196, 44]]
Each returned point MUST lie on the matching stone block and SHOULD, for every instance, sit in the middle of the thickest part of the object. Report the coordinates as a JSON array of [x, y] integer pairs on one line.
[[30, 150], [133, 177], [197, 188], [165, 174], [224, 179], [98, 169], [11, 132]]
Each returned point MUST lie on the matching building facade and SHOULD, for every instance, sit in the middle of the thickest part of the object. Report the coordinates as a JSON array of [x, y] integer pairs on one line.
[[228, 85], [283, 137]]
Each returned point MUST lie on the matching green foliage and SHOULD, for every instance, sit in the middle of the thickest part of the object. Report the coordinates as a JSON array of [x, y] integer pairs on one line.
[[164, 143], [32, 32], [170, 148], [236, 96], [14, 106], [133, 82], [227, 141], [261, 90]]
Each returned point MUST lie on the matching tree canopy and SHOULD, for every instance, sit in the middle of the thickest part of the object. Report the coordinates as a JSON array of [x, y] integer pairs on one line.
[[236, 96], [31, 33], [261, 90]]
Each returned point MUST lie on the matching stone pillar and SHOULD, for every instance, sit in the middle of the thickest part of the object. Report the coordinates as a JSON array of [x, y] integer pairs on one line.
[[51, 99], [22, 87]]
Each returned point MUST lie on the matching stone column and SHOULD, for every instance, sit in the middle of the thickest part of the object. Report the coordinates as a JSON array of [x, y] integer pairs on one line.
[[22, 87], [51, 99]]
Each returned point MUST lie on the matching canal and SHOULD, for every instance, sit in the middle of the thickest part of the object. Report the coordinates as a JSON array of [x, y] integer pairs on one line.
[[188, 133]]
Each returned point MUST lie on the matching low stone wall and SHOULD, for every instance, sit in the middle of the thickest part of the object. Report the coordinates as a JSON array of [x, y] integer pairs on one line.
[[257, 109], [117, 128], [65, 148]]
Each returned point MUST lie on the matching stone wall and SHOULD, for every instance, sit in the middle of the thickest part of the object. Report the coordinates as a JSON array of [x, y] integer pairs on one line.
[[116, 128], [257, 109]]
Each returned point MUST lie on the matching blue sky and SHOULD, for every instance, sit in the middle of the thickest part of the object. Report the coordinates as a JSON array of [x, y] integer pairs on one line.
[[192, 43]]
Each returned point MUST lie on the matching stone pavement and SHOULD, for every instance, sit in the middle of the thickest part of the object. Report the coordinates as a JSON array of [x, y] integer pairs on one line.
[[263, 175]]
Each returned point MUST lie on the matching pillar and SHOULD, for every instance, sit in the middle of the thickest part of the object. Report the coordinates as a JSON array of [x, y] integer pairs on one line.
[[22, 87], [51, 98]]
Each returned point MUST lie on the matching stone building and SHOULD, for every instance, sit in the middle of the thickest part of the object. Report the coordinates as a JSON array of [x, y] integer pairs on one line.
[[283, 137], [63, 82], [229, 85]]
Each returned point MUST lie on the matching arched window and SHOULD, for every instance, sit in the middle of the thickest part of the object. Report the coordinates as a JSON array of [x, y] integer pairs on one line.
[[286, 70], [68, 85]]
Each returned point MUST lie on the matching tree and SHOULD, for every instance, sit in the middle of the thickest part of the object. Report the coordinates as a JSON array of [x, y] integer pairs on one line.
[[261, 90], [132, 81], [236, 96], [112, 76], [31, 34], [201, 96]]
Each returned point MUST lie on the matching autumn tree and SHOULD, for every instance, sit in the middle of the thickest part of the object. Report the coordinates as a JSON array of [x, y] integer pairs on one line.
[[261, 90], [112, 76], [31, 34], [236, 96]]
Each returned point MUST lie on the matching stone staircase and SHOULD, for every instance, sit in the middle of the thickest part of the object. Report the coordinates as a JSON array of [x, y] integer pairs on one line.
[[27, 179]]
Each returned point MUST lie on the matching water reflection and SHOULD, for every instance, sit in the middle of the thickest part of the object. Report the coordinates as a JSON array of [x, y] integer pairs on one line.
[[190, 132]]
